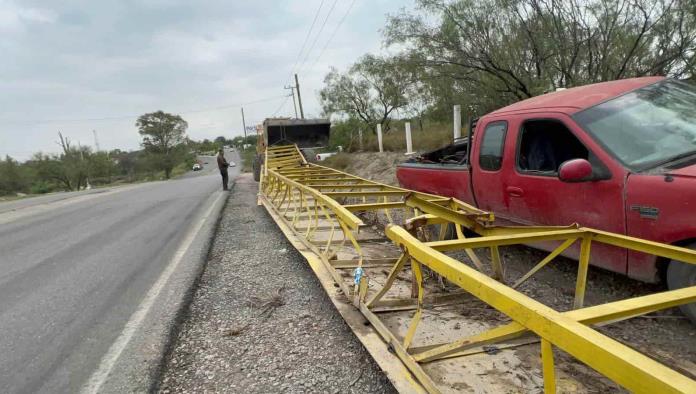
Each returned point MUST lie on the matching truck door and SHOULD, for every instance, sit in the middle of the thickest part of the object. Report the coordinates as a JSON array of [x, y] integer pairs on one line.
[[537, 196], [489, 162]]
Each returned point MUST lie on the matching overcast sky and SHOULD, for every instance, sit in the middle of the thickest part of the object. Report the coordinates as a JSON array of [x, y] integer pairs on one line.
[[78, 66]]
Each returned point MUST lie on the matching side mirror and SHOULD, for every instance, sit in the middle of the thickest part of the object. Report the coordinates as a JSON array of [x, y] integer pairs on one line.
[[575, 170]]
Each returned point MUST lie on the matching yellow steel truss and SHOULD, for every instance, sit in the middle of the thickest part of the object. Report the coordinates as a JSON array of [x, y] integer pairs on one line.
[[321, 206]]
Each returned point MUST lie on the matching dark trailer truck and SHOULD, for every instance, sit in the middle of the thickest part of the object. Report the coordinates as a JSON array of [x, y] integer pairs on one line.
[[308, 134]]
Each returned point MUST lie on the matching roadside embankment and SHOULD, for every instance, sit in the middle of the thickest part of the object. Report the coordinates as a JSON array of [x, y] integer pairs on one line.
[[375, 166]]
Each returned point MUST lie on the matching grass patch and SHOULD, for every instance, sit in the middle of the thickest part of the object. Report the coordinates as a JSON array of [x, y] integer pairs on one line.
[[180, 169], [429, 138], [339, 161], [247, 156]]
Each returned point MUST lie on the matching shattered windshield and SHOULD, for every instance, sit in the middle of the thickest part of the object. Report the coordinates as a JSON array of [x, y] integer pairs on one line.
[[647, 128]]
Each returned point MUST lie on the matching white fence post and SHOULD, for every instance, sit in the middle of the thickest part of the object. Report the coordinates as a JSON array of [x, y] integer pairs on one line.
[[379, 137], [457, 121], [360, 138], [409, 143]]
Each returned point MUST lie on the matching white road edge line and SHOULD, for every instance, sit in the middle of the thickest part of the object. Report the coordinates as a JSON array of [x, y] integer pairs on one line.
[[99, 377]]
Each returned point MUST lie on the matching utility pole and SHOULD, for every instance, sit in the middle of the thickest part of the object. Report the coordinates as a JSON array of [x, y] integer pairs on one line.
[[244, 126], [292, 92], [299, 98]]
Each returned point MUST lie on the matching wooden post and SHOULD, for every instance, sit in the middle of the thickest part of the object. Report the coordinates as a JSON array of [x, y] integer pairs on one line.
[[360, 138], [379, 137], [457, 121], [409, 143]]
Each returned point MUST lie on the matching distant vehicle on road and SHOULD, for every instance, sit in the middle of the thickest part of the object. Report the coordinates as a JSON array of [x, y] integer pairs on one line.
[[617, 156], [197, 167]]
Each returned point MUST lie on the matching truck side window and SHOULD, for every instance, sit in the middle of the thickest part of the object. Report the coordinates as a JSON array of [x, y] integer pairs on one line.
[[545, 144], [491, 155]]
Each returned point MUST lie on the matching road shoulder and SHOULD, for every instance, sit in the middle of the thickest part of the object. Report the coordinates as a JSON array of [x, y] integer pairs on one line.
[[138, 353], [261, 322]]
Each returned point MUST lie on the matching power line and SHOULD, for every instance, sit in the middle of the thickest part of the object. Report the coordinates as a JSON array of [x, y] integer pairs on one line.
[[287, 97], [125, 117], [338, 26], [316, 38], [309, 51], [299, 54]]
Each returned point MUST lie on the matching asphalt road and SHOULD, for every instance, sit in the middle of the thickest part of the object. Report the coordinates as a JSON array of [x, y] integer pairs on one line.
[[74, 267]]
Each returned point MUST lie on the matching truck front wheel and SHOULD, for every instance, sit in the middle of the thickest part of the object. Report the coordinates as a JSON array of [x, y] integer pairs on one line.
[[681, 275]]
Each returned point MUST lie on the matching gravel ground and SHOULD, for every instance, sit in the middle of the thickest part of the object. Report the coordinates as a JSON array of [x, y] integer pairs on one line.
[[260, 322], [666, 335]]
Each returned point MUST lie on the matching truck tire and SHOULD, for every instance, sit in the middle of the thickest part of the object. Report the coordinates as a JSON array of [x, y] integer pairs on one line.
[[256, 165], [683, 275]]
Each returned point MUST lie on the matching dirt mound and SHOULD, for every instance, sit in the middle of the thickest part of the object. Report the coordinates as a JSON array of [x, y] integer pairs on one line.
[[375, 166]]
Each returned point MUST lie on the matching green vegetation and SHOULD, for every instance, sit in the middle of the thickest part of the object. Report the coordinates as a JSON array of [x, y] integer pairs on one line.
[[247, 156], [167, 152], [339, 161], [428, 135], [163, 139], [78, 168], [486, 54]]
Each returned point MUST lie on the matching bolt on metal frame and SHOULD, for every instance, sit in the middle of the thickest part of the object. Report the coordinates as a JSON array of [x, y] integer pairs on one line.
[[325, 199]]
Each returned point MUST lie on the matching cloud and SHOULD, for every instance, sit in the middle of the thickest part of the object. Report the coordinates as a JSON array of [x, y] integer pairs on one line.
[[15, 18], [117, 59]]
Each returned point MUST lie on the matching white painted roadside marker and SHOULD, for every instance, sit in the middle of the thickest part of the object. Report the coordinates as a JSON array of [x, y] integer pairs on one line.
[[360, 138], [379, 137], [99, 377], [457, 121], [409, 143]]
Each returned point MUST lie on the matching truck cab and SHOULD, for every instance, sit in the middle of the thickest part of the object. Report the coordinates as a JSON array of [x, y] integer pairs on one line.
[[618, 156]]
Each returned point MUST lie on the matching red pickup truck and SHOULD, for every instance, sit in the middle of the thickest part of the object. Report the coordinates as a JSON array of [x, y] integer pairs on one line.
[[618, 156]]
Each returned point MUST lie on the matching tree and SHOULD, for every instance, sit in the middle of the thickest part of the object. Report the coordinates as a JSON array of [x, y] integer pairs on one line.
[[372, 90], [493, 52], [163, 136], [74, 168], [222, 141], [239, 141], [101, 167], [51, 169], [13, 177]]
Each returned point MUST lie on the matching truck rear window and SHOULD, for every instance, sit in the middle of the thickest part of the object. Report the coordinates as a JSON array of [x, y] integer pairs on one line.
[[491, 154]]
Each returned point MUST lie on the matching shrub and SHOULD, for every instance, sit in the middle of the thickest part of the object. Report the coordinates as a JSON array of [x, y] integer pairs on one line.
[[40, 187], [247, 156], [339, 161]]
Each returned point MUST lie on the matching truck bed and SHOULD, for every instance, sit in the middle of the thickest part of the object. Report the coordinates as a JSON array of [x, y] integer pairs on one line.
[[449, 180]]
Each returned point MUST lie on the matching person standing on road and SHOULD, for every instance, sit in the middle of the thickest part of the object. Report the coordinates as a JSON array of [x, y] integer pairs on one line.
[[222, 165]]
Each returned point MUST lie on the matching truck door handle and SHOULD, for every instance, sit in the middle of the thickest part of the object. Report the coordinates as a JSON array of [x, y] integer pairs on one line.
[[514, 191]]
